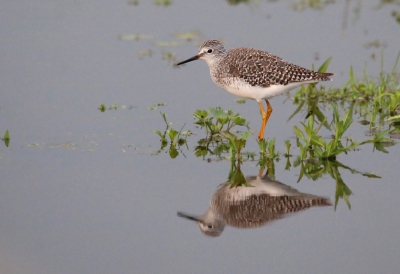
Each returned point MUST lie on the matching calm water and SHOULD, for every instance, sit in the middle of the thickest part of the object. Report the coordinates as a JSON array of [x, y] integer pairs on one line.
[[80, 190]]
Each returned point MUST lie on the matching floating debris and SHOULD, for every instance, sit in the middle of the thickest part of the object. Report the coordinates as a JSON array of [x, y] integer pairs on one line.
[[188, 36], [167, 44], [135, 37], [133, 2], [240, 101], [164, 3], [146, 53]]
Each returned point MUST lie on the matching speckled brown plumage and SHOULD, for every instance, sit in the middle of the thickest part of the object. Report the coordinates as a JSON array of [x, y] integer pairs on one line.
[[239, 69], [260, 68]]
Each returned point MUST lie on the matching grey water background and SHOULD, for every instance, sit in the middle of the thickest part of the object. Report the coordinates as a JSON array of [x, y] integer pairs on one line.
[[80, 190]]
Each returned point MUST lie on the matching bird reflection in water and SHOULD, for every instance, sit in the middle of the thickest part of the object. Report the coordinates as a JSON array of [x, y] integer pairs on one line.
[[256, 202]]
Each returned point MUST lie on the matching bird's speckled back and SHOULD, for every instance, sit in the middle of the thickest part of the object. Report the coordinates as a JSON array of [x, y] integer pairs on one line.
[[261, 68]]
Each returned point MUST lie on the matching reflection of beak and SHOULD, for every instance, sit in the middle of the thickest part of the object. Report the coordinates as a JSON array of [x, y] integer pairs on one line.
[[189, 60], [190, 217]]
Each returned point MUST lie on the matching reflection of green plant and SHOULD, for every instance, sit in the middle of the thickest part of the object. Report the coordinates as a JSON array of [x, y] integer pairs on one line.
[[342, 190], [268, 155], [236, 177], [380, 141], [317, 168], [287, 155], [176, 139]]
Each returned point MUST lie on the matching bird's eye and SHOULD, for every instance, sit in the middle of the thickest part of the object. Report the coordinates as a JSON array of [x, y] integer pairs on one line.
[[209, 226], [210, 51]]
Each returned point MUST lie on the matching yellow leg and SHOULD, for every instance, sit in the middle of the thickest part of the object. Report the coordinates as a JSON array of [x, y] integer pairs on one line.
[[265, 118]]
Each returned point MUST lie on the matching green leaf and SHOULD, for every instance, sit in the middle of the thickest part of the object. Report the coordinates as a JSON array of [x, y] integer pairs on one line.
[[201, 151], [325, 65], [320, 116], [381, 136], [6, 138], [240, 121], [371, 175], [262, 144], [6, 135], [297, 110], [218, 112], [317, 141], [201, 114], [299, 133], [164, 117], [173, 152], [172, 133], [245, 135], [181, 141], [223, 120], [158, 133], [342, 190], [380, 148]]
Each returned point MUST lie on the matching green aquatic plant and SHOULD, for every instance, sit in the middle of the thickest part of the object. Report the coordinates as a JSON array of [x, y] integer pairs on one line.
[[313, 146], [287, 154], [6, 138], [376, 99], [380, 141], [221, 130], [300, 5], [235, 144], [240, 101], [310, 98], [135, 37], [288, 145], [155, 106], [170, 136], [267, 148], [103, 108], [267, 156]]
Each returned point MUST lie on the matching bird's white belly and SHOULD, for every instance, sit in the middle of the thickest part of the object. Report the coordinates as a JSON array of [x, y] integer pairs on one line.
[[256, 92]]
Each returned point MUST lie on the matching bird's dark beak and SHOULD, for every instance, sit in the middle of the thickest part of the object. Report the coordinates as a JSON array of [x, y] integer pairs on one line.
[[189, 60], [189, 217]]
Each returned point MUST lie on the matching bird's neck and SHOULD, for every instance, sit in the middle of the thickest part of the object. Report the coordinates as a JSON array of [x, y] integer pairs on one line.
[[214, 63]]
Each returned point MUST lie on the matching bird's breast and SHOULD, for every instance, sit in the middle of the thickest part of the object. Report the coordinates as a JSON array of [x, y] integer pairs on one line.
[[243, 89]]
